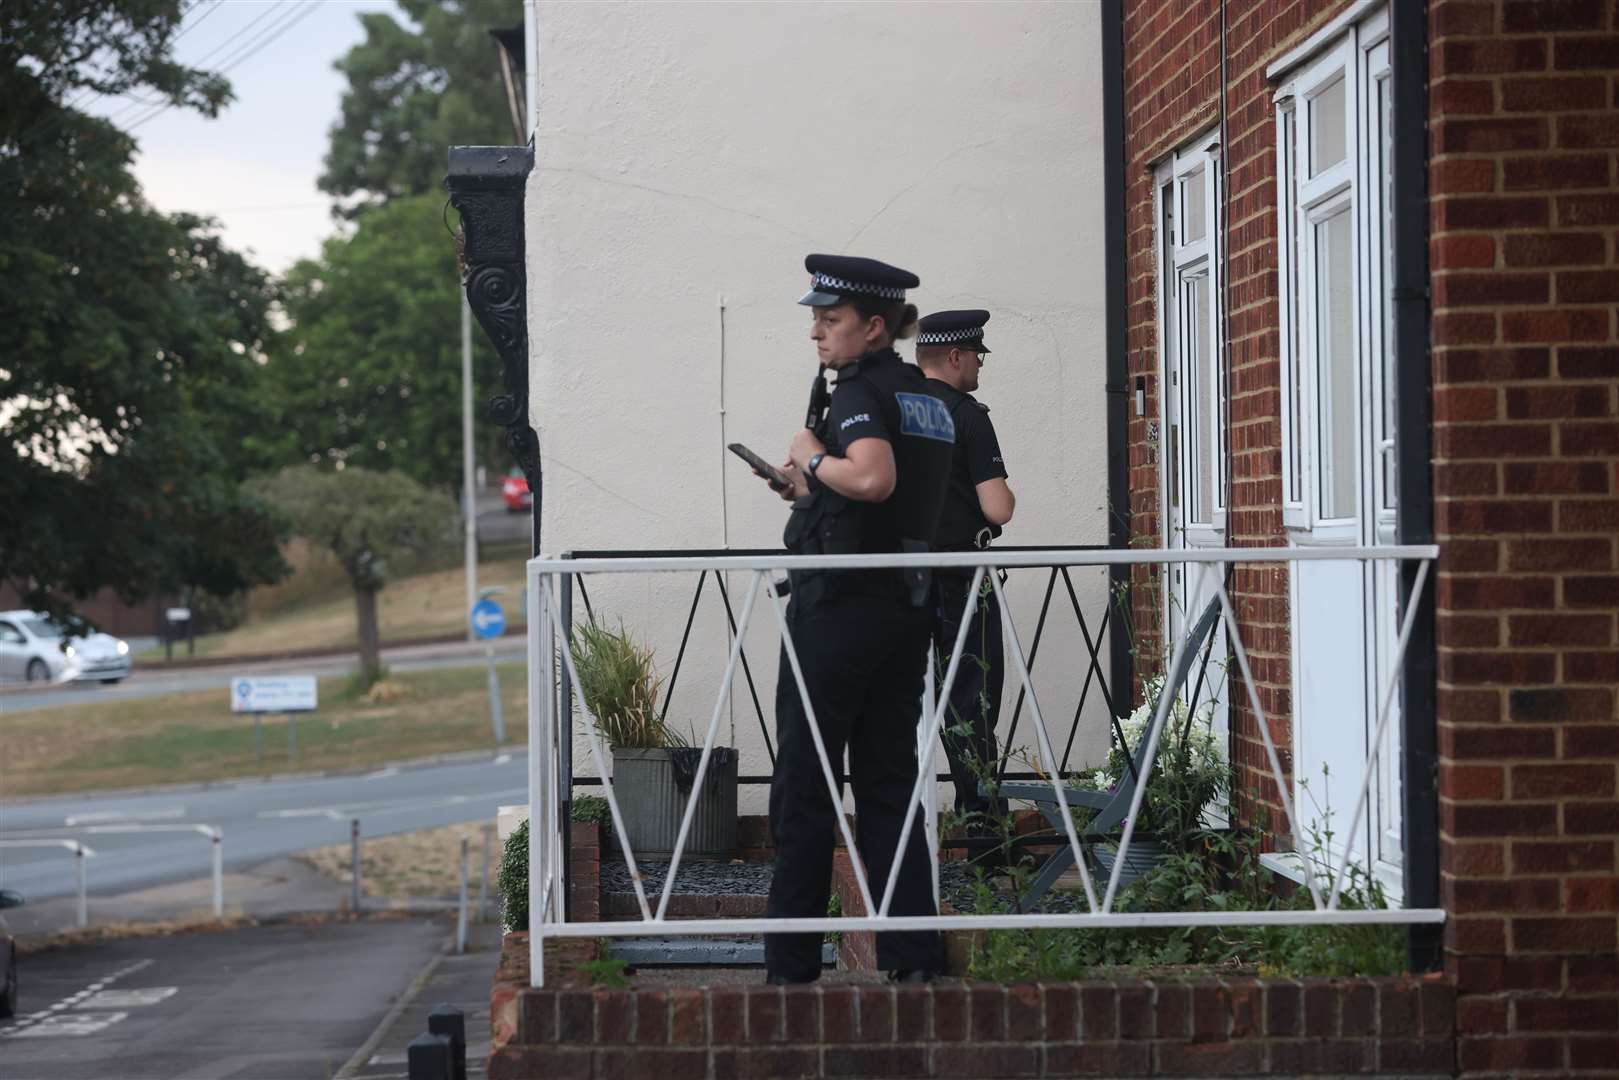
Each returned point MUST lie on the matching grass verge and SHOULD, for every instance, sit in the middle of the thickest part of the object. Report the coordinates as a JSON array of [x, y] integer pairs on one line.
[[425, 604], [416, 865], [184, 738]]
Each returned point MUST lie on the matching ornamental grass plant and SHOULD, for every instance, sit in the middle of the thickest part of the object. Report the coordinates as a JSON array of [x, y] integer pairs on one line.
[[620, 687]]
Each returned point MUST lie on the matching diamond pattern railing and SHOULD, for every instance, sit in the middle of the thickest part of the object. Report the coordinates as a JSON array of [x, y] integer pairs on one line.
[[548, 725]]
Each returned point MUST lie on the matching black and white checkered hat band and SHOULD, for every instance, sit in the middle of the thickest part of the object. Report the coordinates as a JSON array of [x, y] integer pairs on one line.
[[887, 292], [944, 337]]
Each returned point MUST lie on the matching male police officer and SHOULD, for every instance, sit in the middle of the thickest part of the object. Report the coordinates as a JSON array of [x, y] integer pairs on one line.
[[950, 350], [869, 476]]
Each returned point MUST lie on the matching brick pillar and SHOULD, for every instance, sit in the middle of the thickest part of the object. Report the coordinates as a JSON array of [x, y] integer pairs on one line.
[[1525, 226]]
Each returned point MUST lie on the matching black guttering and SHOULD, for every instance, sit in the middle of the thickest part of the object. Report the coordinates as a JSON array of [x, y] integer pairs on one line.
[[1413, 456], [1118, 391]]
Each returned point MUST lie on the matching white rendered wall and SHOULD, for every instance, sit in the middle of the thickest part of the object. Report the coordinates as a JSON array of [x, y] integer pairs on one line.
[[688, 157]]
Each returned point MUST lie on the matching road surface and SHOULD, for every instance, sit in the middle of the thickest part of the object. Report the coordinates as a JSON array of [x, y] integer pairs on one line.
[[288, 1001], [260, 819], [153, 682]]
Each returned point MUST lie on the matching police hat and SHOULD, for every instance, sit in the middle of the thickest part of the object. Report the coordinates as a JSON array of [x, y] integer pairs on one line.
[[836, 278], [963, 328]]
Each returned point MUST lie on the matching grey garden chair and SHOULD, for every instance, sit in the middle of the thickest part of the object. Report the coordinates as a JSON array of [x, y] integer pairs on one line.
[[1110, 806]]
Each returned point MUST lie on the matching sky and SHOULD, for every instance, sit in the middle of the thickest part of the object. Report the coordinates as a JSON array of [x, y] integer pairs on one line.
[[255, 166]]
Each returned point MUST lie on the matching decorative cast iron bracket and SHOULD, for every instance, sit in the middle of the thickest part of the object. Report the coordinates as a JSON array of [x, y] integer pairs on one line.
[[486, 185]]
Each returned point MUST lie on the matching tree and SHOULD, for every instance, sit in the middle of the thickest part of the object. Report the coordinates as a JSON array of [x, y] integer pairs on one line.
[[367, 519], [415, 92], [130, 341], [369, 371]]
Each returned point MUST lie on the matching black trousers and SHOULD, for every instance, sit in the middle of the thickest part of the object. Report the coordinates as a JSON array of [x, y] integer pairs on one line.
[[975, 698], [862, 651]]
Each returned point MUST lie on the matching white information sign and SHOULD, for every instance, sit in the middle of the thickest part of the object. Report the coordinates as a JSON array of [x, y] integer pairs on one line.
[[273, 694]]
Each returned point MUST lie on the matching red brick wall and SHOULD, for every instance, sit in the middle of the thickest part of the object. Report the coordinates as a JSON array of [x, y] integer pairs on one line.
[[1525, 227], [1234, 1027], [1172, 88]]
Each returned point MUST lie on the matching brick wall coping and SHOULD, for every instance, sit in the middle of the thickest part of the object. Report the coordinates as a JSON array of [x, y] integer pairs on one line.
[[1239, 1026]]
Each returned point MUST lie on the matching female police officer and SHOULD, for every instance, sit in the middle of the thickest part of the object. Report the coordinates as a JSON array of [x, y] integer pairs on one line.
[[870, 476]]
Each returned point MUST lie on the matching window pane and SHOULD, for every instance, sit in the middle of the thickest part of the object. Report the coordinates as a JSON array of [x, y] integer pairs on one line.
[[1327, 128], [1386, 310], [1335, 365], [1290, 237], [1201, 363], [1192, 209]]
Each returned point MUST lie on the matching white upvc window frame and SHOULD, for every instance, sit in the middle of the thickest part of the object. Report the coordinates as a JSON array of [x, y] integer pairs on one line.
[[1191, 172], [1358, 60]]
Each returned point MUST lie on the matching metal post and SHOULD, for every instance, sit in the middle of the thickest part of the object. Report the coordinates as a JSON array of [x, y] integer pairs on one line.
[[496, 716], [84, 897], [450, 1023], [292, 737], [219, 873], [469, 496], [564, 699], [483, 880], [541, 679], [428, 1058], [924, 762], [461, 903], [354, 864]]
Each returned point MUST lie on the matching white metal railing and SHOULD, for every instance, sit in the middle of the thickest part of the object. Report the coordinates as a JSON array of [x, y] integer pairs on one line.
[[548, 716], [81, 912]]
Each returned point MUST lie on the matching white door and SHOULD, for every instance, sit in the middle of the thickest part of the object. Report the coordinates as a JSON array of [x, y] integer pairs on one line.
[[1332, 131], [1194, 457]]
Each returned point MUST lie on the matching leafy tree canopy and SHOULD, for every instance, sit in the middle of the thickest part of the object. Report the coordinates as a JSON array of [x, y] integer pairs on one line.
[[414, 92], [369, 371], [368, 520], [131, 342]]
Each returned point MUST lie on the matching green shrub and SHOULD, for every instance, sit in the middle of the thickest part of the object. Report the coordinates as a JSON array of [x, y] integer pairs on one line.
[[513, 878]]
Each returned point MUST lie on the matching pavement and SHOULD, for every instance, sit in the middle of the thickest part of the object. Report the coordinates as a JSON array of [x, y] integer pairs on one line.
[[463, 981]]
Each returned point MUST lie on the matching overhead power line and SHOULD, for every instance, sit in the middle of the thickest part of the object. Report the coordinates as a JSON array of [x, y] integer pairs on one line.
[[247, 51]]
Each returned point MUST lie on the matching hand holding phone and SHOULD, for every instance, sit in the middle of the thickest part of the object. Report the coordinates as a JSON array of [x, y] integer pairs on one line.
[[777, 479]]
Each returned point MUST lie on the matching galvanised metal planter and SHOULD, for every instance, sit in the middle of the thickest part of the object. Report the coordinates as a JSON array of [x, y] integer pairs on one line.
[[653, 786]]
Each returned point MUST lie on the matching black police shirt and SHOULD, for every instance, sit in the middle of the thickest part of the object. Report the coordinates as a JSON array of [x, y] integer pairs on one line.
[[977, 458], [886, 398]]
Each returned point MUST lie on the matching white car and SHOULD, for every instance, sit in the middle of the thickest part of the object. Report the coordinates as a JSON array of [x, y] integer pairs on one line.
[[32, 647]]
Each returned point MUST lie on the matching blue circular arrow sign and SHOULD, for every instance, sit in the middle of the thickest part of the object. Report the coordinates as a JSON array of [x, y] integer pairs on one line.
[[488, 620]]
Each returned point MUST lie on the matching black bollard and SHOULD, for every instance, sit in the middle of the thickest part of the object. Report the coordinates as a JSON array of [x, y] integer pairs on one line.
[[429, 1058], [451, 1023]]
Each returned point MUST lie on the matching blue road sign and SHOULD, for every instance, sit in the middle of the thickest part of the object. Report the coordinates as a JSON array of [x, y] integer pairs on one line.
[[488, 620]]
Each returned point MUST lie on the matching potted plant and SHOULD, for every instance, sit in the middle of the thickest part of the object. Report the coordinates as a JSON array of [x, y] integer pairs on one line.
[[653, 768], [1189, 773]]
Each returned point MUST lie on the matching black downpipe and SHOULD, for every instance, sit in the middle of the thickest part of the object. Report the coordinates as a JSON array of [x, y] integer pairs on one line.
[[1121, 674], [1413, 456]]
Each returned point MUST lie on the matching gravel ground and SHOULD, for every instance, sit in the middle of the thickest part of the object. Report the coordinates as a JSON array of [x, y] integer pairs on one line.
[[956, 883], [695, 879]]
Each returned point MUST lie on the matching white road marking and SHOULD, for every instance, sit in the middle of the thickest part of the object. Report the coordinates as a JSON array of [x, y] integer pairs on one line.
[[55, 1026], [97, 816], [382, 774], [381, 807], [307, 811], [128, 999], [501, 759], [53, 1021]]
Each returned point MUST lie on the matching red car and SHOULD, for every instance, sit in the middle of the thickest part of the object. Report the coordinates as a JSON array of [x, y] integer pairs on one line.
[[514, 489]]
